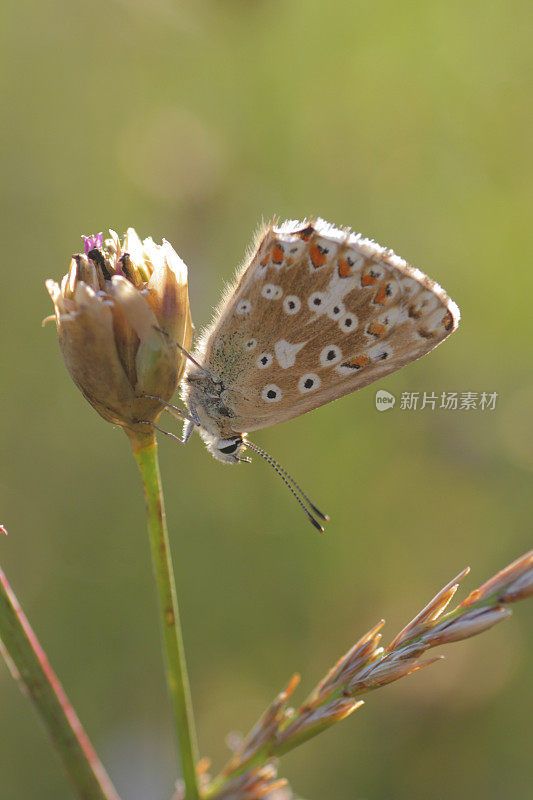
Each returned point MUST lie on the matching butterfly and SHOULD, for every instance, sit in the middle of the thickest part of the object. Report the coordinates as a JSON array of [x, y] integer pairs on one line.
[[316, 313]]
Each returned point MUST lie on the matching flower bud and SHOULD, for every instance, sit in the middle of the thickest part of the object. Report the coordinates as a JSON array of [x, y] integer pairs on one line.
[[119, 311]]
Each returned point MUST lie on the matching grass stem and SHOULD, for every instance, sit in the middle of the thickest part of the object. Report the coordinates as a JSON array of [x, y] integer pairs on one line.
[[31, 669]]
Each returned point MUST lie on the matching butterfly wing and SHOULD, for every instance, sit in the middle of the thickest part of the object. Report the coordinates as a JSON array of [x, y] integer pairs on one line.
[[316, 314]]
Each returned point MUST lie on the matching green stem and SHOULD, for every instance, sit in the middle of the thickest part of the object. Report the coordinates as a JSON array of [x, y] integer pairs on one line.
[[176, 670], [31, 669]]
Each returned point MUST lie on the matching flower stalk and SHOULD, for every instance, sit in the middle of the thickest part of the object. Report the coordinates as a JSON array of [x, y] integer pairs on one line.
[[124, 324], [176, 669], [32, 671]]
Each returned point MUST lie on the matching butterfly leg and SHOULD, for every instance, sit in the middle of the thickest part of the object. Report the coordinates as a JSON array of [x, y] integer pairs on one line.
[[176, 412], [162, 430]]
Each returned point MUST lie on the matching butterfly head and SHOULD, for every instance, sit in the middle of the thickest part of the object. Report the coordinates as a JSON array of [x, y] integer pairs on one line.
[[210, 415], [206, 400], [228, 450]]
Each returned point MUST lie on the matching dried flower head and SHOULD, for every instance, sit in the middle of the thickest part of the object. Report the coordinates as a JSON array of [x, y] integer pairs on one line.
[[119, 311]]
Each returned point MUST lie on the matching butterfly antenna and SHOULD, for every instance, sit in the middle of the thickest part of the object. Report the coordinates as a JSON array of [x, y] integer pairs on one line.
[[191, 358], [289, 477], [184, 351], [291, 485]]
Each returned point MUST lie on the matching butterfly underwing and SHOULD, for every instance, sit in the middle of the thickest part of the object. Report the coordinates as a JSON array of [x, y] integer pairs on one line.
[[315, 313]]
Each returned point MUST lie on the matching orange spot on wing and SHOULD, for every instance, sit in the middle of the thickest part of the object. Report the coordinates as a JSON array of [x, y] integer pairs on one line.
[[317, 256], [358, 361], [265, 258], [368, 279], [377, 329], [381, 294], [344, 268], [277, 254]]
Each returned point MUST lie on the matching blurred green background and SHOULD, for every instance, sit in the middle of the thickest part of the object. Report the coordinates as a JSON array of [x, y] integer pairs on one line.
[[411, 122]]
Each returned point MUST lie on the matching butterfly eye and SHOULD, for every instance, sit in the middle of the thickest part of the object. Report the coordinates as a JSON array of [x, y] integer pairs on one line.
[[316, 300], [348, 323], [244, 307], [271, 292], [271, 393], [330, 355], [308, 382], [250, 344], [230, 448], [264, 360], [291, 304]]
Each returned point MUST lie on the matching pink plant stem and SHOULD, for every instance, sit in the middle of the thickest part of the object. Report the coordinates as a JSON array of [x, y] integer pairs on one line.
[[37, 680]]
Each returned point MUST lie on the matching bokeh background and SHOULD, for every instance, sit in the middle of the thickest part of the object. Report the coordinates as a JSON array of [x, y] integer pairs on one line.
[[411, 122]]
